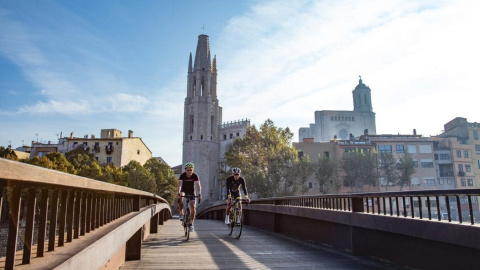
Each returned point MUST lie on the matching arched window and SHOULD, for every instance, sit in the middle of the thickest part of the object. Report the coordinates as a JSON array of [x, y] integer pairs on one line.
[[194, 88], [202, 87]]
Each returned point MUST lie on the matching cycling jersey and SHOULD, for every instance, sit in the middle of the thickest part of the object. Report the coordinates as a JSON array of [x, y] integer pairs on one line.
[[188, 183], [233, 187]]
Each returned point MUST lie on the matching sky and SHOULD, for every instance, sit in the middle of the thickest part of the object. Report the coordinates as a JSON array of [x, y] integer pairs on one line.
[[82, 66]]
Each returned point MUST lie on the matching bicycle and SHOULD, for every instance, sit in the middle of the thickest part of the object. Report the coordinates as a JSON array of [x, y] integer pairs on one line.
[[235, 220], [186, 223]]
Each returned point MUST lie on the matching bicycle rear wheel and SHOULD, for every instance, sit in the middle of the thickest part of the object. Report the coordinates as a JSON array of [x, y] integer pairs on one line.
[[238, 224]]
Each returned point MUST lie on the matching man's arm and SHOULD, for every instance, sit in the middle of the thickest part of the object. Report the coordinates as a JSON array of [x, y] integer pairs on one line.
[[245, 192], [199, 188], [180, 182]]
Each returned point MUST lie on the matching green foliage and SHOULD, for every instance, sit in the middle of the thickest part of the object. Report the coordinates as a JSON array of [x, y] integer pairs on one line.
[[388, 168], [266, 158], [114, 175], [8, 153], [60, 163], [302, 170], [406, 168], [165, 179], [325, 173], [139, 178], [359, 169], [85, 163]]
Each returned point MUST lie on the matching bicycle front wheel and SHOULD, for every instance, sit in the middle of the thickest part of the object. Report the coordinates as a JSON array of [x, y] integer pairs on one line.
[[186, 225], [238, 225]]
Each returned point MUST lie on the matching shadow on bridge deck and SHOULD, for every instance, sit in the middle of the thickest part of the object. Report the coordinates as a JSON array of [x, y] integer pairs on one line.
[[210, 247]]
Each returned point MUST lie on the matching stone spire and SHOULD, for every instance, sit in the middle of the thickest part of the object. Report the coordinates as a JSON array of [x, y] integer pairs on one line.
[[202, 55]]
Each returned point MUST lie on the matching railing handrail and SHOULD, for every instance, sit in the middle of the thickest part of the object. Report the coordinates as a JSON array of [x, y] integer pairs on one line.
[[23, 172]]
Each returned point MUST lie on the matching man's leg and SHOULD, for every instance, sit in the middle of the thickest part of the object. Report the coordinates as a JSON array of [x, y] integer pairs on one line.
[[180, 206], [192, 210], [227, 212]]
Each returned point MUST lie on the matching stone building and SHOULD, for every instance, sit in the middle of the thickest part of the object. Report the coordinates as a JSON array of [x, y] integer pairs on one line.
[[205, 137], [110, 148], [340, 124]]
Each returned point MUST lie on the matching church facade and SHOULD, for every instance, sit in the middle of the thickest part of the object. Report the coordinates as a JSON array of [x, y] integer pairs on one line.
[[343, 124], [205, 137]]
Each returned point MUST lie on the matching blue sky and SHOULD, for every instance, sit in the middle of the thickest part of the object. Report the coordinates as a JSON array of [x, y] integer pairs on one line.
[[83, 66]]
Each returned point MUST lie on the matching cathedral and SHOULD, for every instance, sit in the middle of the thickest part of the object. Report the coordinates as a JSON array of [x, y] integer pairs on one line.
[[205, 137], [343, 125]]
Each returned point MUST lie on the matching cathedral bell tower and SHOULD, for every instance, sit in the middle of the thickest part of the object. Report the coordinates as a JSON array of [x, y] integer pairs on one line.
[[202, 118], [362, 98]]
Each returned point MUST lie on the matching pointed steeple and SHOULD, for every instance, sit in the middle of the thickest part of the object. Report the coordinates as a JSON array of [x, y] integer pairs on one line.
[[202, 55], [214, 65], [190, 63]]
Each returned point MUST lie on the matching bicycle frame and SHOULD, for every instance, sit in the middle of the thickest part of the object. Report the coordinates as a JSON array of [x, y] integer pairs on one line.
[[186, 222]]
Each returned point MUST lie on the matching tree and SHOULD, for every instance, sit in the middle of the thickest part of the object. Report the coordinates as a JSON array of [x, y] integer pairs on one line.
[[406, 168], [165, 179], [325, 169], [359, 169], [139, 178], [266, 158], [388, 168], [8, 153], [85, 163], [113, 174], [40, 161], [302, 170], [60, 163]]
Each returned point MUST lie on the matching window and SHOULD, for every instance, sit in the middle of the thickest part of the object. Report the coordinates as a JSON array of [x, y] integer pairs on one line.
[[464, 183], [415, 182], [231, 135], [470, 182], [238, 134], [475, 134], [449, 181], [465, 154], [400, 148], [224, 136], [460, 167], [412, 149], [415, 162], [441, 181], [477, 149], [109, 160], [326, 154], [310, 185], [459, 153], [427, 163], [429, 181], [444, 156], [467, 168], [138, 152], [385, 149], [425, 148]]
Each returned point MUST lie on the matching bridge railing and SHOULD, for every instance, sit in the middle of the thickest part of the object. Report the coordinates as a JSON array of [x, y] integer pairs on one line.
[[42, 211], [428, 229], [455, 205]]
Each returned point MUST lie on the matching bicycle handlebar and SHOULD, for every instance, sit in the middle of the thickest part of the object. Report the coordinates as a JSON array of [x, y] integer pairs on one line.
[[199, 199]]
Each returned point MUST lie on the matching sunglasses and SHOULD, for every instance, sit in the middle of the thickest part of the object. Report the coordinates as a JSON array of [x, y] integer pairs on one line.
[[236, 174], [188, 170]]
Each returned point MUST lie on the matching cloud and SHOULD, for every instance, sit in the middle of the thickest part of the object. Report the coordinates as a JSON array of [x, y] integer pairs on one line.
[[288, 66]]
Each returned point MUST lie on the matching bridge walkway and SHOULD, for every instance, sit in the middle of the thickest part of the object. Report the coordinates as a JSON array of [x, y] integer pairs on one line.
[[210, 247]]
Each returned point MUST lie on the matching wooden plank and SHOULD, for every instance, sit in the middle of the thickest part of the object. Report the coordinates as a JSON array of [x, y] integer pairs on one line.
[[30, 222], [13, 228]]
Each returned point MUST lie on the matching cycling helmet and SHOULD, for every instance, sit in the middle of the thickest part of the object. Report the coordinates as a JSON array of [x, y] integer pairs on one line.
[[189, 165], [236, 170]]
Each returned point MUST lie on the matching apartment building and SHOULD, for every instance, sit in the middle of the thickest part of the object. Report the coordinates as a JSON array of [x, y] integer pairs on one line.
[[110, 148]]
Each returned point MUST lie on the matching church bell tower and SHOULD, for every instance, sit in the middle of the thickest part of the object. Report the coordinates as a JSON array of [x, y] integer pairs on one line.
[[202, 118]]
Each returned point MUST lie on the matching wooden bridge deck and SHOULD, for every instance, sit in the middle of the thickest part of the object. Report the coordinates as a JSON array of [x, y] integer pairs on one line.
[[210, 247]]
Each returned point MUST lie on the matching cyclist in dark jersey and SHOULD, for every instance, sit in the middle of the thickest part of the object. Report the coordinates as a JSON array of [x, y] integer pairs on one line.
[[186, 184], [234, 182]]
